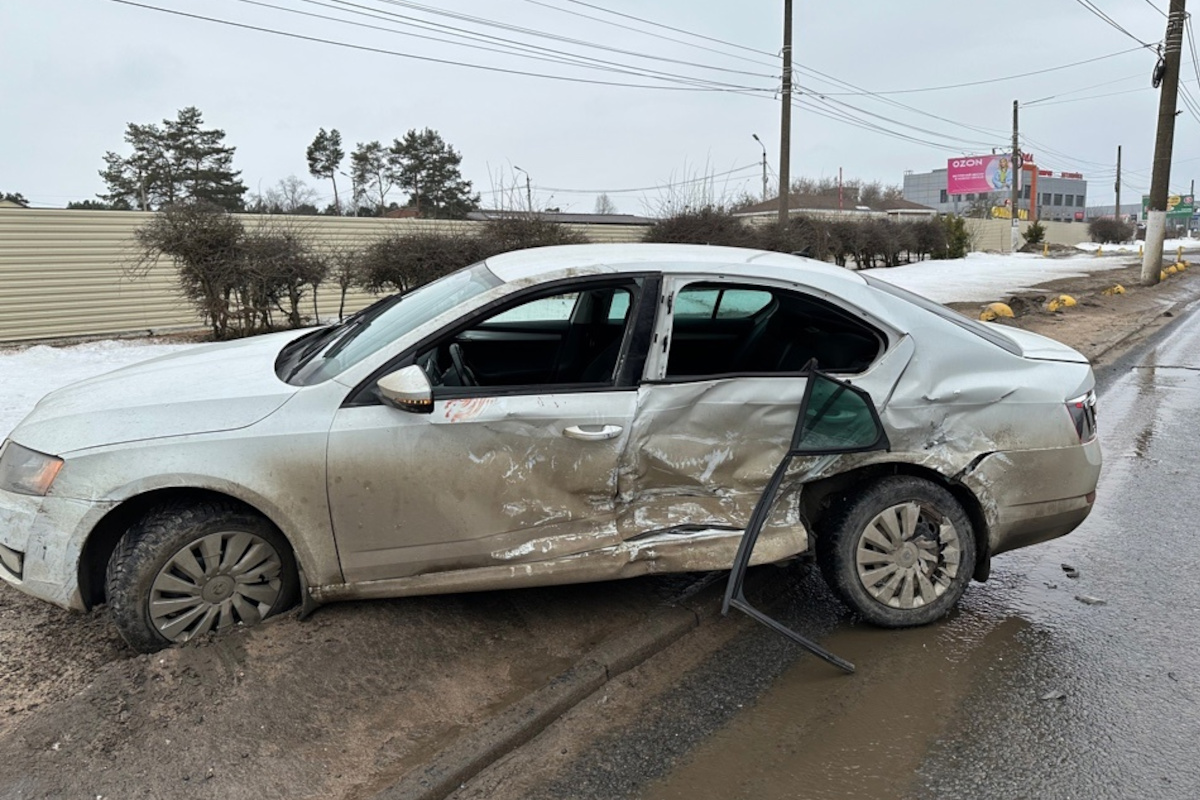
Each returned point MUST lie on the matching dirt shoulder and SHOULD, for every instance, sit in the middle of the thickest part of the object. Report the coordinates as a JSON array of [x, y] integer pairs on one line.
[[1098, 325]]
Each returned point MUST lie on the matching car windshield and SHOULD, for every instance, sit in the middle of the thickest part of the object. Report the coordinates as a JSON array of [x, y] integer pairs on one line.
[[334, 350]]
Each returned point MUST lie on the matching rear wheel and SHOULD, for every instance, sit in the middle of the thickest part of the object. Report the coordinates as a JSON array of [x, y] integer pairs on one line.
[[899, 553], [186, 570]]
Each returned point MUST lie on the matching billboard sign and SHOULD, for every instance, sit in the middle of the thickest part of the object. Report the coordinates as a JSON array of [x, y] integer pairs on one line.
[[979, 174], [1180, 207]]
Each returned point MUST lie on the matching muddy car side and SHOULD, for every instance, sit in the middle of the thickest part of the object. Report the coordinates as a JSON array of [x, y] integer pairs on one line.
[[562, 472]]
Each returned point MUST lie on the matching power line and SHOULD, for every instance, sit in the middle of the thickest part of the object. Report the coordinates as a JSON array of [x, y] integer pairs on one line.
[[674, 29], [1095, 10], [508, 47], [656, 35], [1001, 79], [429, 59]]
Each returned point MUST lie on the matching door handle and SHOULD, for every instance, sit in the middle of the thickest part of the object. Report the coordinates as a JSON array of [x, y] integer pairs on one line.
[[592, 433]]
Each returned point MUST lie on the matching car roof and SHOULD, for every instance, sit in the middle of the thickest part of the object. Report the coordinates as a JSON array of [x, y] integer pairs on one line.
[[599, 259]]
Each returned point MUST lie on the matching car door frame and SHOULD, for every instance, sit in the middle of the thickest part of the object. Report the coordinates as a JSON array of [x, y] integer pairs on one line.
[[467, 405]]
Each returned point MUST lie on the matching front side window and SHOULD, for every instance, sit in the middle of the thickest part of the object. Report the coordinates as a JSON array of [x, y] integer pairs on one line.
[[568, 338], [763, 330]]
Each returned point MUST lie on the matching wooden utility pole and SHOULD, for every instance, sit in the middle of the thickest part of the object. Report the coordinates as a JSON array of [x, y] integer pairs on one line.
[[1156, 211], [785, 120], [1117, 215], [1014, 170]]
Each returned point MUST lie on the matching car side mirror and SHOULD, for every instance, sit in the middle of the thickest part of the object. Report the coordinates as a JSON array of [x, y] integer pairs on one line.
[[407, 389]]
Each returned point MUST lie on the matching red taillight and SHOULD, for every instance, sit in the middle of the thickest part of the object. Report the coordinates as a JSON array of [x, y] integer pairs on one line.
[[1083, 415]]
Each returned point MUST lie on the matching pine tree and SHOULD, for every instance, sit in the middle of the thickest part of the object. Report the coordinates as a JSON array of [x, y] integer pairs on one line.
[[178, 161], [427, 168], [373, 172], [325, 156]]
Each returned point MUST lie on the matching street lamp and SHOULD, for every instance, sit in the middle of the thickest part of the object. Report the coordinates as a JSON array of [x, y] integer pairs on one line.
[[764, 163], [528, 190]]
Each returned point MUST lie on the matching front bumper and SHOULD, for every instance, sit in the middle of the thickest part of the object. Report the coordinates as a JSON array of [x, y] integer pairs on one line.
[[41, 539], [1032, 496]]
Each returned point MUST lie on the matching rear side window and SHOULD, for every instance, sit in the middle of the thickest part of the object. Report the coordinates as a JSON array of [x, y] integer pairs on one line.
[[728, 329], [950, 315]]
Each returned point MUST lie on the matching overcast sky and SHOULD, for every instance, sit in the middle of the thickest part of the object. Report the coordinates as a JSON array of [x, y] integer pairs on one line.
[[75, 72]]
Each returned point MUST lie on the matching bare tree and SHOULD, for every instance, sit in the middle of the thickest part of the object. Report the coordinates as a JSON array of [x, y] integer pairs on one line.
[[604, 205]]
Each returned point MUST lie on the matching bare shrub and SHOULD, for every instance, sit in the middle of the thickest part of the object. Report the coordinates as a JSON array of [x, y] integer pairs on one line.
[[1110, 230], [709, 225], [205, 241], [519, 231], [281, 264], [404, 261]]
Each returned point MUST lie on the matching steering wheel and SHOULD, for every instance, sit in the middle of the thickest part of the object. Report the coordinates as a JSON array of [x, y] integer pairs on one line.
[[460, 366]]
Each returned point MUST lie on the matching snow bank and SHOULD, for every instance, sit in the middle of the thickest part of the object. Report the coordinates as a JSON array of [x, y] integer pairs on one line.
[[984, 277], [1169, 246], [28, 373]]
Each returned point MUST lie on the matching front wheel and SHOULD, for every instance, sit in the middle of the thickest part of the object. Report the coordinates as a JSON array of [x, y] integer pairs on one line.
[[185, 570], [900, 553]]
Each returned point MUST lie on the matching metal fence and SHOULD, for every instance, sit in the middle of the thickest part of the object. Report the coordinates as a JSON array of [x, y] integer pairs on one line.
[[65, 273]]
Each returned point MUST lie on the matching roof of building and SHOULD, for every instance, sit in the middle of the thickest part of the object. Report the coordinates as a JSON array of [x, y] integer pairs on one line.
[[831, 202], [559, 216]]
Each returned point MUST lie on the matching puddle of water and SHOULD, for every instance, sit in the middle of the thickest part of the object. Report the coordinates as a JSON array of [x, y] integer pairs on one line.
[[822, 735]]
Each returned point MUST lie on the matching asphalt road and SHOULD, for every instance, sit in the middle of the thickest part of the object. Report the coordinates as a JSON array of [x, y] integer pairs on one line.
[[1040, 686]]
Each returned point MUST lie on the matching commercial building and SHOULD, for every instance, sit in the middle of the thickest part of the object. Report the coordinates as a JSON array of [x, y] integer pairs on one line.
[[1061, 196]]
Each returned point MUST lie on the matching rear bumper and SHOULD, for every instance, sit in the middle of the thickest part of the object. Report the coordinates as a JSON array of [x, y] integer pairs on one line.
[[1032, 496]]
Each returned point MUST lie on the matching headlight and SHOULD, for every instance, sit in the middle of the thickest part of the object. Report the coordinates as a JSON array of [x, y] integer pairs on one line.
[[26, 471]]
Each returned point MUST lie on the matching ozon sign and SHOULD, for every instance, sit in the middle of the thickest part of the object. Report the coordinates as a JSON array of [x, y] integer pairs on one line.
[[980, 174]]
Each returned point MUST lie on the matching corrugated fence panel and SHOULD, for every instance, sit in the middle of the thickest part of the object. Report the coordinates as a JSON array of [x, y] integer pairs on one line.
[[68, 273]]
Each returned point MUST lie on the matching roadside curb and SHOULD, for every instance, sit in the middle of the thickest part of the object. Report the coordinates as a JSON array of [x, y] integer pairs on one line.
[[525, 719]]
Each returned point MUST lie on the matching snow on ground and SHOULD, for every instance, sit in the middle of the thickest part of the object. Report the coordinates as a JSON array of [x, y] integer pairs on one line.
[[984, 277], [1169, 246], [26, 374]]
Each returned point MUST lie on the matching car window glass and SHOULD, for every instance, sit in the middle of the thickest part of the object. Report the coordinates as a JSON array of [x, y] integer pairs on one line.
[[568, 338], [836, 418], [696, 302], [359, 337], [544, 309], [619, 308], [741, 303], [764, 330]]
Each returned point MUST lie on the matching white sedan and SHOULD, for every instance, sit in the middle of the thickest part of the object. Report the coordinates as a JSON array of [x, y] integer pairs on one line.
[[559, 415]]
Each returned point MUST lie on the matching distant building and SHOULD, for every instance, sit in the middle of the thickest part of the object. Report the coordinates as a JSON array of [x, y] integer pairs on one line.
[[1061, 196]]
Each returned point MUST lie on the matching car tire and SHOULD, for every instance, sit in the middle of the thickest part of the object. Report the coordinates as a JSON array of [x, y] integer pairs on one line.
[[900, 552], [184, 570]]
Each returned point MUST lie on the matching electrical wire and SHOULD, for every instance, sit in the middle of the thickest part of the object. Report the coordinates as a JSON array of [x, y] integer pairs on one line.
[[413, 56], [1095, 10], [508, 47]]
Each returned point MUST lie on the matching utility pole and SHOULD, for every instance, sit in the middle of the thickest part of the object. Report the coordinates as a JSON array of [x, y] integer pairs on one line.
[[1014, 170], [785, 120], [528, 190], [1156, 211], [764, 164], [1118, 185]]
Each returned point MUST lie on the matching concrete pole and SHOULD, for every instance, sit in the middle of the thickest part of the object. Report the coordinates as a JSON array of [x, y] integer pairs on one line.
[[785, 121], [1156, 211], [1014, 170]]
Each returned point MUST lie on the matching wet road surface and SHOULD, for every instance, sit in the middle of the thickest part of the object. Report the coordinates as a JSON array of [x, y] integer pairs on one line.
[[1041, 685]]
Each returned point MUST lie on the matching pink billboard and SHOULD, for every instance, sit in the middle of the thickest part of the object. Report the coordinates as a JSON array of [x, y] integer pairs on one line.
[[979, 174]]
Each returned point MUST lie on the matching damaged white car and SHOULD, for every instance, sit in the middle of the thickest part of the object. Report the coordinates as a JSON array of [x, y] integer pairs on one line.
[[559, 415]]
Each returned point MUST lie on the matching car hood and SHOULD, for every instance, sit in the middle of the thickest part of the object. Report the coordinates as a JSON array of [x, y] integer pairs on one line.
[[209, 388], [1041, 348]]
